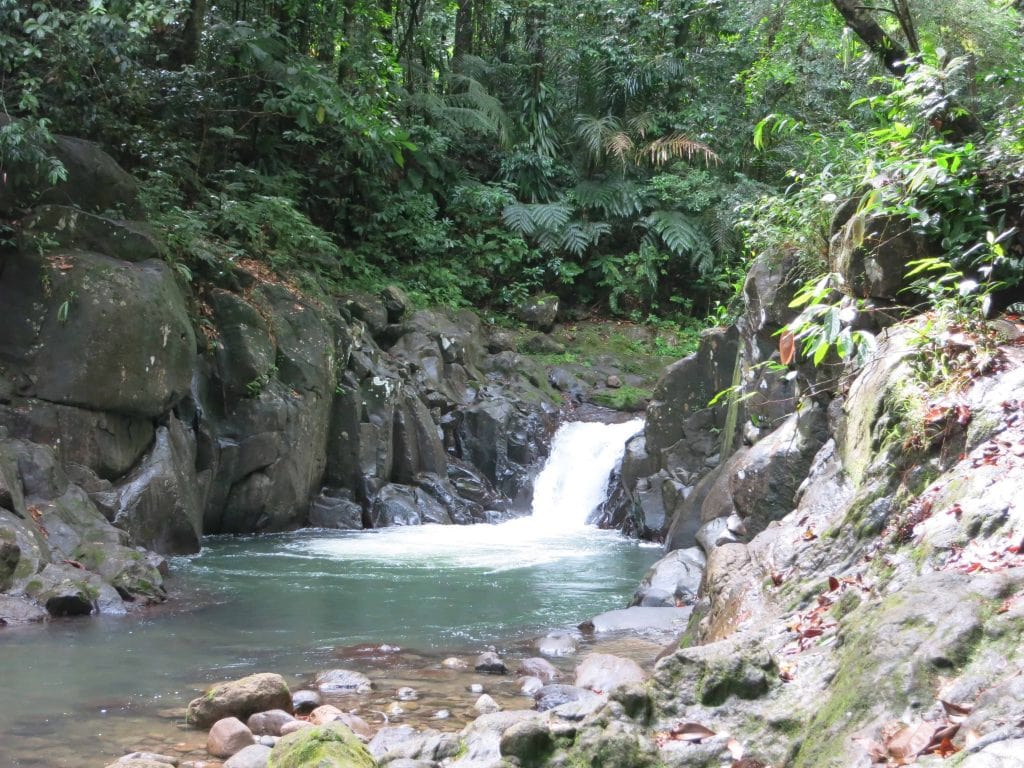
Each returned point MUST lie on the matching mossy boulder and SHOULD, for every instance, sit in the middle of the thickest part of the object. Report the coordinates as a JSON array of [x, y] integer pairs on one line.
[[127, 570], [240, 698], [323, 746], [97, 332]]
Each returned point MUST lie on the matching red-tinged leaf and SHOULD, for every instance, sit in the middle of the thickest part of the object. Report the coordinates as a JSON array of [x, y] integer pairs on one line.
[[935, 414], [690, 732], [812, 632], [787, 347], [777, 578], [911, 741], [963, 414], [735, 749], [945, 749], [810, 535], [833, 583], [972, 567], [787, 673]]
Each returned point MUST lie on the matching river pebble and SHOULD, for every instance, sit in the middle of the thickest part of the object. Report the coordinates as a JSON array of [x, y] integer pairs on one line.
[[228, 736], [485, 705], [407, 694], [476, 688], [453, 662]]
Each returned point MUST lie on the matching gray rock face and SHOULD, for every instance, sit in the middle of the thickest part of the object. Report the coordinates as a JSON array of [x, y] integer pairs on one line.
[[678, 575], [109, 444], [482, 737], [159, 503], [69, 227], [401, 505], [872, 256], [336, 508], [104, 335], [269, 723]]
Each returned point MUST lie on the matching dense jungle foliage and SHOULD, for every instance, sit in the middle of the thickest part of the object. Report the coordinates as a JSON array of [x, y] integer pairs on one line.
[[628, 155]]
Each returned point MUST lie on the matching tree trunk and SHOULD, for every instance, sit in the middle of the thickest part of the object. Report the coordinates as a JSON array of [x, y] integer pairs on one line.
[[957, 122], [893, 55], [463, 29], [192, 34]]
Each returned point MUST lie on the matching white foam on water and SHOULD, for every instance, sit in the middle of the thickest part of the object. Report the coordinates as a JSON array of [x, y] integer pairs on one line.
[[572, 484]]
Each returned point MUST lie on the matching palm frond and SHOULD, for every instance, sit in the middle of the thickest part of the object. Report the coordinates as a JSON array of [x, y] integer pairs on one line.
[[595, 131], [676, 146]]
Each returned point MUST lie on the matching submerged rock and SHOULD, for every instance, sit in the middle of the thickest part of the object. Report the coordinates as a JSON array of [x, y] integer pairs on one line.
[[557, 644], [601, 672], [339, 681]]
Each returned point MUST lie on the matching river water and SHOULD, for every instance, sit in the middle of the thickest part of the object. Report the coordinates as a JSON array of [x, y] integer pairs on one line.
[[81, 692]]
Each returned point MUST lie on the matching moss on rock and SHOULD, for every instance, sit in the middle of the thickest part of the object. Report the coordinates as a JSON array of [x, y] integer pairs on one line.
[[325, 746]]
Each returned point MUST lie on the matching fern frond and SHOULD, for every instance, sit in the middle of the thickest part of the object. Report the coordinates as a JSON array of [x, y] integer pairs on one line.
[[535, 219], [580, 235], [677, 146], [613, 199], [683, 236]]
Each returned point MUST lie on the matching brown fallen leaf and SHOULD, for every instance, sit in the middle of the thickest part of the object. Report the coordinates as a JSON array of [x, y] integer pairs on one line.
[[690, 732], [910, 741], [954, 710], [833, 583]]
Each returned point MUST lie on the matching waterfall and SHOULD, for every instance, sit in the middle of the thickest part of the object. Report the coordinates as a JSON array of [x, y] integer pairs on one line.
[[574, 481]]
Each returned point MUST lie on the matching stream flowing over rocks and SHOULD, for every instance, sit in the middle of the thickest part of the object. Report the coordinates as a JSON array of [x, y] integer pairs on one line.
[[128, 431], [848, 571]]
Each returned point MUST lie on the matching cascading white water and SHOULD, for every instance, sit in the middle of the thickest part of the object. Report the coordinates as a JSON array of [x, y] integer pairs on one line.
[[571, 485], [574, 480]]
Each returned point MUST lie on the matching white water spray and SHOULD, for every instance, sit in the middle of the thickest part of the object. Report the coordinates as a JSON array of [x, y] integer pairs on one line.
[[574, 480], [572, 484]]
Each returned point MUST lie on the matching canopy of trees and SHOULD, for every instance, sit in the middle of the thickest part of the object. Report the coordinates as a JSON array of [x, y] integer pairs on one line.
[[631, 155]]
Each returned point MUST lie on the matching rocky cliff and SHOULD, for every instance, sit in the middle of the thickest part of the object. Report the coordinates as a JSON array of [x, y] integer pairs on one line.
[[139, 412]]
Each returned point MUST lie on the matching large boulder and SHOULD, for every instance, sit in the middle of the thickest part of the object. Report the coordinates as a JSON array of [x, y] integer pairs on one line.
[[96, 332], [600, 672], [402, 505], [159, 502], [871, 255], [95, 182], [67, 591], [128, 570], [239, 698], [325, 746], [108, 444]]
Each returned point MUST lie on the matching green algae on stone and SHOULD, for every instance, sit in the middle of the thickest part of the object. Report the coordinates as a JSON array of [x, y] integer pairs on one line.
[[324, 746]]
